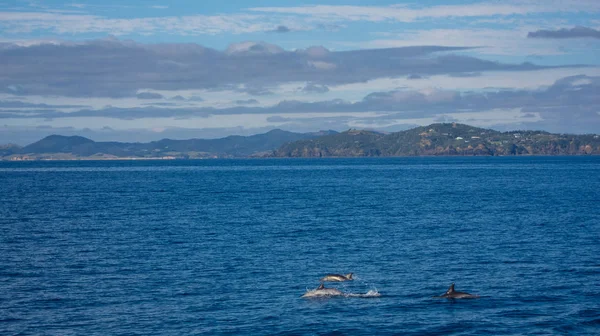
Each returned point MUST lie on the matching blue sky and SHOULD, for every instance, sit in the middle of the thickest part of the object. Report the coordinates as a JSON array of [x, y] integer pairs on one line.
[[146, 70]]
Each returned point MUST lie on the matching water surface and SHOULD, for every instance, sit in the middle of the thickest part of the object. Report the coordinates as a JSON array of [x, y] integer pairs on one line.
[[229, 246]]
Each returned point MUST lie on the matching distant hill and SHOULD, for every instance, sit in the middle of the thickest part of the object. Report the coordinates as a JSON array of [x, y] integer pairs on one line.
[[442, 139], [235, 146], [9, 149], [59, 144], [74, 147], [435, 139]]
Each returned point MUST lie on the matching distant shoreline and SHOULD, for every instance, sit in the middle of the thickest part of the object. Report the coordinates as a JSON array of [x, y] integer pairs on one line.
[[297, 158], [441, 139]]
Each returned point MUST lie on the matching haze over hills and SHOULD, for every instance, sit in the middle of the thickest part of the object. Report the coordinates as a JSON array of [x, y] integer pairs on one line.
[[436, 139], [77, 147]]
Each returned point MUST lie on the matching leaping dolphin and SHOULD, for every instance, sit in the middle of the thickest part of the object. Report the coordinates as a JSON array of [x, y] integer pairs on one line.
[[321, 291], [452, 294], [337, 277]]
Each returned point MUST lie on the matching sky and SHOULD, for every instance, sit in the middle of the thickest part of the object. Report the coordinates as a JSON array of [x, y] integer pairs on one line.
[[140, 71]]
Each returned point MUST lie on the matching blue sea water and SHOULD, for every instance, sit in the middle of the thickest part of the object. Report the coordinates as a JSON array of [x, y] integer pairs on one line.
[[230, 246]]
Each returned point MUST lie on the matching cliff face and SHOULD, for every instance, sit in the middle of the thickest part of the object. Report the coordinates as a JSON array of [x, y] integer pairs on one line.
[[442, 139], [351, 143]]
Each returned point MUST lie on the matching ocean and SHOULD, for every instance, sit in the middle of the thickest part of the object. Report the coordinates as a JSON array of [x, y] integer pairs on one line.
[[229, 246]]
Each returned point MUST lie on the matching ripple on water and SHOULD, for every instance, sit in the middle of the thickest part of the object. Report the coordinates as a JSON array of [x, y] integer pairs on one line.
[[229, 246]]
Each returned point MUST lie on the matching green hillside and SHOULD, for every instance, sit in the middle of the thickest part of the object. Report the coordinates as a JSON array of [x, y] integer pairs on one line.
[[442, 139]]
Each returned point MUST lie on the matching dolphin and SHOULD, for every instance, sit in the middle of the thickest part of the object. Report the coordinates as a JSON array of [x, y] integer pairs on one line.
[[337, 277], [321, 291], [452, 294]]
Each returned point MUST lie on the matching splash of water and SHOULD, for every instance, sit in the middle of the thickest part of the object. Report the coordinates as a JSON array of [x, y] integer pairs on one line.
[[371, 293]]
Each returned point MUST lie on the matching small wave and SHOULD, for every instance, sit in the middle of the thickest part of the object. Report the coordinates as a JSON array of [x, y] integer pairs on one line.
[[369, 294]]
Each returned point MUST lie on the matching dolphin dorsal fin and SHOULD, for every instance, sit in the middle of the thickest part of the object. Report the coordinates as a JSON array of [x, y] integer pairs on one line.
[[451, 289], [349, 276], [321, 286]]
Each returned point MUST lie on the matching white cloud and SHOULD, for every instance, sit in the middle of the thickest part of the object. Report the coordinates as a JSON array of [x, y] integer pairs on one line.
[[404, 13], [583, 81], [213, 121], [487, 118], [261, 19], [529, 80], [495, 116], [322, 65], [395, 13], [27, 22], [489, 41]]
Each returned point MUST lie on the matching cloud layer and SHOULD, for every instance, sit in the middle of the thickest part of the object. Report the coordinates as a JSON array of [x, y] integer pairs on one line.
[[114, 68], [565, 33], [409, 13], [87, 19], [572, 101], [512, 64]]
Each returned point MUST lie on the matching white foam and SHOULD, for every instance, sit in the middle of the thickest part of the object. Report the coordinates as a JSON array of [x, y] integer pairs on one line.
[[371, 293]]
